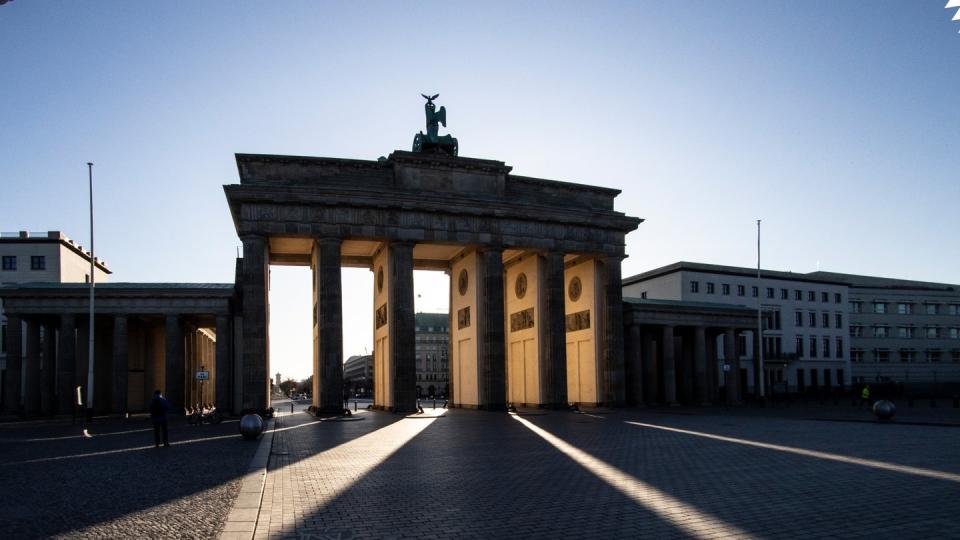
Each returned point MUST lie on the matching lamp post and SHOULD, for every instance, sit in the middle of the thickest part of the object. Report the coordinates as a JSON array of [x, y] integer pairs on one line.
[[93, 279]]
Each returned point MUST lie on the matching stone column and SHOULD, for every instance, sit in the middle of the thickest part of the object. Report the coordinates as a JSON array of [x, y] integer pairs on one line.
[[329, 316], [66, 363], [11, 391], [732, 376], [668, 352], [700, 365], [31, 397], [553, 346], [224, 373], [256, 320], [120, 362], [173, 378], [635, 357], [48, 375], [651, 387], [402, 342], [686, 367], [490, 331], [612, 369]]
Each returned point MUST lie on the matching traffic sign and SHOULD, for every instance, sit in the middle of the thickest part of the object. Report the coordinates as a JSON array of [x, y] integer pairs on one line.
[[203, 375]]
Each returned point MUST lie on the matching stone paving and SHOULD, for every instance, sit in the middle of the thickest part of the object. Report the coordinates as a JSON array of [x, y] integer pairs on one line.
[[471, 474], [53, 483]]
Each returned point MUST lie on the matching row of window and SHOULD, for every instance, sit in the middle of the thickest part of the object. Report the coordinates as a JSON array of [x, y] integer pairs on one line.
[[906, 308], [904, 355], [905, 332], [771, 292], [37, 262], [824, 319], [819, 347]]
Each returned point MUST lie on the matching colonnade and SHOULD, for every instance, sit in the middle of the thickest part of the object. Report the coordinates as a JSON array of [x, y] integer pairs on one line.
[[47, 361], [548, 338]]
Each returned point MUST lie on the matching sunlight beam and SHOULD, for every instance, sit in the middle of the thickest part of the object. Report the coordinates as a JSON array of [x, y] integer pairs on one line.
[[679, 514], [906, 469]]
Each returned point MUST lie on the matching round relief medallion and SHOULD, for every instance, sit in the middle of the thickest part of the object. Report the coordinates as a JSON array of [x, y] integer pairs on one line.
[[380, 280], [520, 287], [462, 282], [575, 289]]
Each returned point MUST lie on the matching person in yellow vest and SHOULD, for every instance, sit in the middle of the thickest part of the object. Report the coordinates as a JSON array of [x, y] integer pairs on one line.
[[865, 395]]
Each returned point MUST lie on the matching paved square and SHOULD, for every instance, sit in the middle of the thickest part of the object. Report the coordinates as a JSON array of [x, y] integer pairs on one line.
[[625, 474]]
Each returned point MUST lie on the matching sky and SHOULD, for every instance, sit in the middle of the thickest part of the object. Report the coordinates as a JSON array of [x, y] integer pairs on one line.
[[836, 123]]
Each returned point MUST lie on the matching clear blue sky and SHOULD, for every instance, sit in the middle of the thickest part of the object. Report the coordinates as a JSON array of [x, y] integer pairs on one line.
[[837, 123]]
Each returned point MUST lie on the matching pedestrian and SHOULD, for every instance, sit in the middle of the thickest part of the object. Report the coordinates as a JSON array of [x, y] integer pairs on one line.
[[865, 395], [159, 407]]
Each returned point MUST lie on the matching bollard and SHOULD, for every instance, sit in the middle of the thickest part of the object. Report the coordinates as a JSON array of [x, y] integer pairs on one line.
[[354, 405], [434, 403], [291, 407]]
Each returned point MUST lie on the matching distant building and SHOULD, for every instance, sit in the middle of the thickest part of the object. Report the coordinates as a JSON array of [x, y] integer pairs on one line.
[[433, 350], [42, 257], [805, 344], [358, 374], [903, 331]]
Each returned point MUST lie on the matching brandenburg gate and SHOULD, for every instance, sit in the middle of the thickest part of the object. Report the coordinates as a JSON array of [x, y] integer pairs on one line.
[[536, 315]]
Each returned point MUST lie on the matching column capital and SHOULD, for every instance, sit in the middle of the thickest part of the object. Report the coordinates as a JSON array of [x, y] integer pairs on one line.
[[328, 240]]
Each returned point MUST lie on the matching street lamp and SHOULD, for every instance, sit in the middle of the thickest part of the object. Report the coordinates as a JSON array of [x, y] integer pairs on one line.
[[93, 279]]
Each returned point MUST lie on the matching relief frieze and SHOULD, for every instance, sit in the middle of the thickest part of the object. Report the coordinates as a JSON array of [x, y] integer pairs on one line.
[[578, 321], [521, 320]]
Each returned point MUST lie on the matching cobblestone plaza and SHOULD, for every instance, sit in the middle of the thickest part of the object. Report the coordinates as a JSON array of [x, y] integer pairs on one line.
[[658, 473]]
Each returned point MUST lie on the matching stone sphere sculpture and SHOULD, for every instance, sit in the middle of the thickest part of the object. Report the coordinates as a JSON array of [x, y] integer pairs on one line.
[[884, 410], [251, 425]]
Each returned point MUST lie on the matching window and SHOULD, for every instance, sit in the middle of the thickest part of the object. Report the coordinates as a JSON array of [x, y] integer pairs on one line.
[[905, 332], [741, 290], [771, 319], [954, 309], [9, 262], [769, 292], [880, 331], [905, 309], [839, 347], [856, 330], [813, 347], [932, 332], [3, 338], [799, 346], [797, 295], [798, 319], [908, 355], [710, 288], [38, 262], [856, 307], [825, 319], [838, 320], [784, 294], [856, 355], [755, 291], [931, 309], [812, 318], [955, 333], [879, 307], [725, 289], [837, 298], [824, 297], [881, 355], [955, 356], [643, 295], [811, 296], [933, 355], [694, 286], [826, 347]]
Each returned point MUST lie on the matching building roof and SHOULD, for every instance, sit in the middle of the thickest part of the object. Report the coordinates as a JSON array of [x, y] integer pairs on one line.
[[432, 320], [873, 282], [729, 270], [51, 237]]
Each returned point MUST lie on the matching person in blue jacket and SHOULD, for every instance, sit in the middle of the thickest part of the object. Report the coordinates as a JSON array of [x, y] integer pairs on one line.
[[159, 407]]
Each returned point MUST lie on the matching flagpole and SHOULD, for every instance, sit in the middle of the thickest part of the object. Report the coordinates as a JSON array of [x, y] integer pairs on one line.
[[760, 377], [93, 279]]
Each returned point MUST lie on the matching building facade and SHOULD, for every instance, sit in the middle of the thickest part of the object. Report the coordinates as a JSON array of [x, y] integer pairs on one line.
[[358, 375], [902, 331], [41, 257], [805, 336], [433, 354]]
